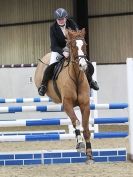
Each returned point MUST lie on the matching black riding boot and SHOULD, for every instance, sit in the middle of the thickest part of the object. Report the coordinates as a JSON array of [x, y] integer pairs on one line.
[[46, 77], [89, 72], [93, 84], [43, 87]]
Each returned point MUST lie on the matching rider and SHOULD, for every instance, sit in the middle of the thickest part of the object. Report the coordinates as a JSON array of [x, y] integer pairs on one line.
[[58, 46]]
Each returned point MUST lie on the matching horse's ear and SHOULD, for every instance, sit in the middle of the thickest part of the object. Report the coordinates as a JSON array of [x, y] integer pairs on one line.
[[83, 32]]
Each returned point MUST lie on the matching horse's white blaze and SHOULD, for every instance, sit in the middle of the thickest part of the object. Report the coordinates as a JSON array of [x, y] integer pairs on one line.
[[82, 61]]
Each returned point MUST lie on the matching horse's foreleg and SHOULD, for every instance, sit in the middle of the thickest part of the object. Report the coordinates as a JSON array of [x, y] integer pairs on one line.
[[68, 107], [85, 111]]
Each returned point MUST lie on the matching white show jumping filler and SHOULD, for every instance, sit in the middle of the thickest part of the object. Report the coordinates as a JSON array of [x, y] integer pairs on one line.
[[130, 103]]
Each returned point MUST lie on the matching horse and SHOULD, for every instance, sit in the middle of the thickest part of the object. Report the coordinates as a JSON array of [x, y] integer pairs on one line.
[[73, 87]]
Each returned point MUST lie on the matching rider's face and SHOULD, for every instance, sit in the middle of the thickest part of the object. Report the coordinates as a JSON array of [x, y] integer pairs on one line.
[[61, 21]]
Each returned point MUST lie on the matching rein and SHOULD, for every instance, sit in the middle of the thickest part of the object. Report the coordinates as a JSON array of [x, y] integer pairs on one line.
[[77, 77], [76, 82]]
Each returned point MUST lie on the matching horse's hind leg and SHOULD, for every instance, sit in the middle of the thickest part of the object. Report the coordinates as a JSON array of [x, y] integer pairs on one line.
[[68, 107], [85, 111]]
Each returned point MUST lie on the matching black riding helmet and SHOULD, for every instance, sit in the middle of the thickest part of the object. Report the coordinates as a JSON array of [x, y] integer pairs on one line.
[[60, 13]]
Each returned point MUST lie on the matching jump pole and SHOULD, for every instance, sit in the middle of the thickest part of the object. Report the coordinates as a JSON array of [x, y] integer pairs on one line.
[[130, 104]]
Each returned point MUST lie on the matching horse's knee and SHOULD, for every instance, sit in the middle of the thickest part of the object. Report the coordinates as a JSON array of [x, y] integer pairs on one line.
[[84, 106], [83, 98], [83, 101]]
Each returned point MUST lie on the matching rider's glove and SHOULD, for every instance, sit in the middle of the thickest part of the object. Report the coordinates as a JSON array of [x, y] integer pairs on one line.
[[66, 54]]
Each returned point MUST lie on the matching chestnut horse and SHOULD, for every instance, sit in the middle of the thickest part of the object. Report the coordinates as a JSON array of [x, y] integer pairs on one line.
[[73, 86]]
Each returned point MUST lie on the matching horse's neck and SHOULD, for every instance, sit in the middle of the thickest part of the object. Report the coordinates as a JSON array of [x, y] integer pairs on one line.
[[75, 72]]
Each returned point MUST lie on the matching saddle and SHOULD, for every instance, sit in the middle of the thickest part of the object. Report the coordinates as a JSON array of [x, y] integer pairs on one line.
[[53, 70], [57, 69], [52, 73]]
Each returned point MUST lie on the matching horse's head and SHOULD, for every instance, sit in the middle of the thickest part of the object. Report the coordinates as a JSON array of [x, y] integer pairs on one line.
[[77, 46]]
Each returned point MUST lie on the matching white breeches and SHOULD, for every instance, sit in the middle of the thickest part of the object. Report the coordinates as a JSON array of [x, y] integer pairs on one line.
[[55, 56]]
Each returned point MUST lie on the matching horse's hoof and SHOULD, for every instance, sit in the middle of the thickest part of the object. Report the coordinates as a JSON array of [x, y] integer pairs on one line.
[[80, 147], [90, 161]]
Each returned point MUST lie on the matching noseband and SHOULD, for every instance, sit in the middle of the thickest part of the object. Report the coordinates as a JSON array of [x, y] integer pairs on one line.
[[78, 58]]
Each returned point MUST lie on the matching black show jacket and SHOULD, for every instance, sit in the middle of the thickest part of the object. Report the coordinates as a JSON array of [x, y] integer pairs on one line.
[[57, 38]]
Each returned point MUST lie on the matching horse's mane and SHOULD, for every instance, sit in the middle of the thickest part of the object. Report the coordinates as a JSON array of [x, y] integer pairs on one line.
[[72, 34]]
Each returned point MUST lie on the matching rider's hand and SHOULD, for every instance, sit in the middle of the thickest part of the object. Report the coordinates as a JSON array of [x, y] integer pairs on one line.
[[66, 54]]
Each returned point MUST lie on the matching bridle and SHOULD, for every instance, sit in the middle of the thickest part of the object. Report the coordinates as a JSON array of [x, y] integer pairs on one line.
[[77, 58]]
